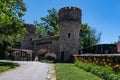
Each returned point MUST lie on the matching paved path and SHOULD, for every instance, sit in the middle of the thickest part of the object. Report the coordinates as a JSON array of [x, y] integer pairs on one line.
[[27, 71]]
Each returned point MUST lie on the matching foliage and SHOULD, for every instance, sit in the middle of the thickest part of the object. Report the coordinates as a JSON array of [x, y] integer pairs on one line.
[[10, 19], [102, 60], [40, 29], [66, 71], [88, 37], [106, 73], [11, 12], [7, 65], [49, 23]]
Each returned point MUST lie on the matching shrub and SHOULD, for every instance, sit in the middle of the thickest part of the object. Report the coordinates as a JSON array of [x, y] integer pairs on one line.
[[106, 73]]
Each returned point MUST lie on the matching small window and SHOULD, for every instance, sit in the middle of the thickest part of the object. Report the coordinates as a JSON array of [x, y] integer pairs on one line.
[[68, 35]]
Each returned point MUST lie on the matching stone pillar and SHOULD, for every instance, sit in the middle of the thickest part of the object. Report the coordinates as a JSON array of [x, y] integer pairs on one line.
[[69, 23]]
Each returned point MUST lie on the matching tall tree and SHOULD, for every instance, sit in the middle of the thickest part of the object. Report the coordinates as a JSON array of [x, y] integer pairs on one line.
[[11, 12], [40, 29], [50, 22], [88, 37]]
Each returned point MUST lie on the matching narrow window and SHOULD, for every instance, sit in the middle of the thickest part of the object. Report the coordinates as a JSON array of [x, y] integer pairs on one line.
[[68, 35]]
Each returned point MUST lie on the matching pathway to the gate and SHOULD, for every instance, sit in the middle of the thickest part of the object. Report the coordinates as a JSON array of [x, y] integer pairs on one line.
[[27, 71]]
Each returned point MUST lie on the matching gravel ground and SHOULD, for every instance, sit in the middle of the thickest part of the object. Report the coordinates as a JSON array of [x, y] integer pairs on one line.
[[27, 71], [51, 73]]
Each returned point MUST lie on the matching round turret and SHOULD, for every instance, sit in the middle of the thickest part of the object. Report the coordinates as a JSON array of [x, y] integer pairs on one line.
[[70, 14], [30, 28], [69, 23]]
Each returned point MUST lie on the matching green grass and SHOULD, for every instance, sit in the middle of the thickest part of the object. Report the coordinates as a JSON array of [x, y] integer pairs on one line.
[[66, 71], [6, 66]]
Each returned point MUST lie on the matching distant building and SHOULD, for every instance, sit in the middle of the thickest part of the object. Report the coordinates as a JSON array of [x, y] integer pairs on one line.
[[104, 49]]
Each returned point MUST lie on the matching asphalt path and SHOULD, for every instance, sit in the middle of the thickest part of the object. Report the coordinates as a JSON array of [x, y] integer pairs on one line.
[[27, 71]]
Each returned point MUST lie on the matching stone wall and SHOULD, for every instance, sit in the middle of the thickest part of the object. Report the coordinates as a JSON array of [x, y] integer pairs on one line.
[[99, 59], [51, 44]]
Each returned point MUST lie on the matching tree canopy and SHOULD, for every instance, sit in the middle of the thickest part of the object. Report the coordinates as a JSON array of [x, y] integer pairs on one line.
[[11, 12], [88, 37], [49, 23]]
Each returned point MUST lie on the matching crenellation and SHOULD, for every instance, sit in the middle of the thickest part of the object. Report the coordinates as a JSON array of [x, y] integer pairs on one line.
[[30, 28], [70, 14], [69, 8]]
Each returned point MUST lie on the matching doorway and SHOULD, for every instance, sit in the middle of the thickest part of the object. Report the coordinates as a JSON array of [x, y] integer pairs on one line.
[[62, 56]]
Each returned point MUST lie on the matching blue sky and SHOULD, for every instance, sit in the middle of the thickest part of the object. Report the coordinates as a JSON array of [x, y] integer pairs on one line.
[[104, 15]]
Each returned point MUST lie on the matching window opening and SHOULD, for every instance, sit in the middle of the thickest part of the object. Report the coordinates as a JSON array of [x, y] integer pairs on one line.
[[68, 35]]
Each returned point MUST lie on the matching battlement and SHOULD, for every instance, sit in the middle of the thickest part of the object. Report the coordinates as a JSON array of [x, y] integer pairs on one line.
[[29, 25], [70, 14], [30, 28], [70, 8]]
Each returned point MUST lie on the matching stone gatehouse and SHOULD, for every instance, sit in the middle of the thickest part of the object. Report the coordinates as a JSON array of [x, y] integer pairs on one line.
[[63, 46]]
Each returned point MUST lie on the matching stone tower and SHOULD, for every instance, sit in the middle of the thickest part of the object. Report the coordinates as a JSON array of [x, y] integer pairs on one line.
[[26, 42], [69, 23]]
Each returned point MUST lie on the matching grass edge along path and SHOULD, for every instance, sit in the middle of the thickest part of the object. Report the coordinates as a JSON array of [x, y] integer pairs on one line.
[[65, 71], [5, 66]]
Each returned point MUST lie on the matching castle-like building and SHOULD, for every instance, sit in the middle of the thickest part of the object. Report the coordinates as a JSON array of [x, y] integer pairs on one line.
[[63, 46]]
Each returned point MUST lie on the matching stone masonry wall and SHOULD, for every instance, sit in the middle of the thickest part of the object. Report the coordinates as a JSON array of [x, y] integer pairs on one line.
[[26, 42], [50, 44]]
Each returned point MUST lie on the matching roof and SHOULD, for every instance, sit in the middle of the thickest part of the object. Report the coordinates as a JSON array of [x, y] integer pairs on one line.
[[105, 45], [24, 50], [45, 38]]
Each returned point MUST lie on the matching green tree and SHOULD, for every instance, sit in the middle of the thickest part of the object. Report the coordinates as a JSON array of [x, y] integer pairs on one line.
[[50, 22], [11, 12], [40, 29], [88, 37]]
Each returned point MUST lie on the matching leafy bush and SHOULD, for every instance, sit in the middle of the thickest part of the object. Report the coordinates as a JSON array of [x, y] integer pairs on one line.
[[106, 73]]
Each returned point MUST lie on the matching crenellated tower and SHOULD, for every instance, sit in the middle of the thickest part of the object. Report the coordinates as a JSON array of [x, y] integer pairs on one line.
[[26, 42], [69, 23]]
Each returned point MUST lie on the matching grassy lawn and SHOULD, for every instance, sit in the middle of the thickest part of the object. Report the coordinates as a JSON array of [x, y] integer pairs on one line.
[[6, 66], [66, 71]]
